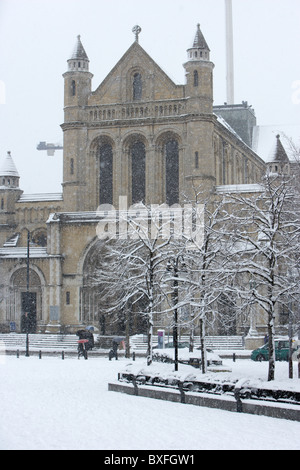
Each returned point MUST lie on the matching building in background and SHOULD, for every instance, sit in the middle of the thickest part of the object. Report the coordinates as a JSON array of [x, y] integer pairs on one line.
[[137, 135]]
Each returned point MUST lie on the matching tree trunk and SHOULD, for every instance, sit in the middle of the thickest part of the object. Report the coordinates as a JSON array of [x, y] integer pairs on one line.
[[202, 345], [271, 334], [150, 338]]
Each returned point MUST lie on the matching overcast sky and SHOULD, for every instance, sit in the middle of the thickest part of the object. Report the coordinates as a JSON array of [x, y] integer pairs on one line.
[[38, 36]]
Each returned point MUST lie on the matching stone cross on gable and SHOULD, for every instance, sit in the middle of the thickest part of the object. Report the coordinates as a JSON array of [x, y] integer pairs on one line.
[[136, 30]]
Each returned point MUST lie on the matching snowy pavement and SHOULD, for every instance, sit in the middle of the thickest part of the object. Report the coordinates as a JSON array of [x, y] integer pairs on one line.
[[51, 404]]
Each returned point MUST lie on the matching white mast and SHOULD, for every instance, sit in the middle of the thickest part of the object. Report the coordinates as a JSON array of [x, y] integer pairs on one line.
[[229, 52]]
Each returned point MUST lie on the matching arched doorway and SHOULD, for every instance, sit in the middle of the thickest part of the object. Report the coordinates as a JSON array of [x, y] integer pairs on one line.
[[25, 304], [97, 308]]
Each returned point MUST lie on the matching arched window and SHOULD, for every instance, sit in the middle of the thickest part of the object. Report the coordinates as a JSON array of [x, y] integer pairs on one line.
[[196, 159], [106, 174], [73, 88], [196, 78], [138, 172], [137, 86], [172, 171]]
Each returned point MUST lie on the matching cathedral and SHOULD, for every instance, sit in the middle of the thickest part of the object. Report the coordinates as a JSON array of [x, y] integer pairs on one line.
[[136, 135]]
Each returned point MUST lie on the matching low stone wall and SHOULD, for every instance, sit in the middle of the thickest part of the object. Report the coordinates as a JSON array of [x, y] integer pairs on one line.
[[227, 403]]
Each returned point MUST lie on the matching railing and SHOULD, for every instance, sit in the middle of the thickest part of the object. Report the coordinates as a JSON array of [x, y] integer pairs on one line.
[[136, 110]]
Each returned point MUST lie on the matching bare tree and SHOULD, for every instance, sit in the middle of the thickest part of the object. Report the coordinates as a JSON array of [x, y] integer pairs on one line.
[[266, 242], [137, 260], [206, 261]]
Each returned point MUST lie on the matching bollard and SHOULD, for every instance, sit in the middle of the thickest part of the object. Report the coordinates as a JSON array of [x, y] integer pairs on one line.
[[237, 396], [136, 390], [182, 394], [18, 354], [40, 354], [63, 355]]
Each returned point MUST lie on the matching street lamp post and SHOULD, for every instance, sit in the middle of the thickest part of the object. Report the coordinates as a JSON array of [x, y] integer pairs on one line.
[[27, 295], [173, 265]]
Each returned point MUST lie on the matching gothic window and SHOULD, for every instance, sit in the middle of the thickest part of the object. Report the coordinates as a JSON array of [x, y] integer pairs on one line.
[[246, 170], [138, 171], [73, 88], [172, 172], [106, 174], [137, 86], [196, 78], [2, 204], [72, 166], [196, 159]]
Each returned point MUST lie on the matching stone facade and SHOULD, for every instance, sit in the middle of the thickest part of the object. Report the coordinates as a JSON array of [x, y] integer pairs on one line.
[[137, 135]]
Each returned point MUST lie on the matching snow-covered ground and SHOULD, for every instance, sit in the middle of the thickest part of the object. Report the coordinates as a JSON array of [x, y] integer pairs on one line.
[[56, 404]]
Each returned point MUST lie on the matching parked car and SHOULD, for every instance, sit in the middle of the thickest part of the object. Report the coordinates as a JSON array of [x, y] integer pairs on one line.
[[281, 351]]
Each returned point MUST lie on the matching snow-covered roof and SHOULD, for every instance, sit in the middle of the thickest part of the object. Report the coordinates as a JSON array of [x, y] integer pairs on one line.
[[278, 153], [239, 188], [199, 41], [8, 167], [76, 217], [78, 51], [41, 197], [12, 241], [264, 139], [228, 127], [34, 252]]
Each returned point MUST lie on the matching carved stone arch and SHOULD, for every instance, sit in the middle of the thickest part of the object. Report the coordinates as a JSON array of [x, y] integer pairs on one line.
[[166, 135], [85, 251], [100, 140]]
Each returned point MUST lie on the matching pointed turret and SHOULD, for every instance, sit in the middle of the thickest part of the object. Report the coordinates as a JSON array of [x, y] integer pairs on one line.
[[200, 49], [278, 160], [79, 60], [77, 78], [199, 76], [9, 191], [278, 153], [9, 176]]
